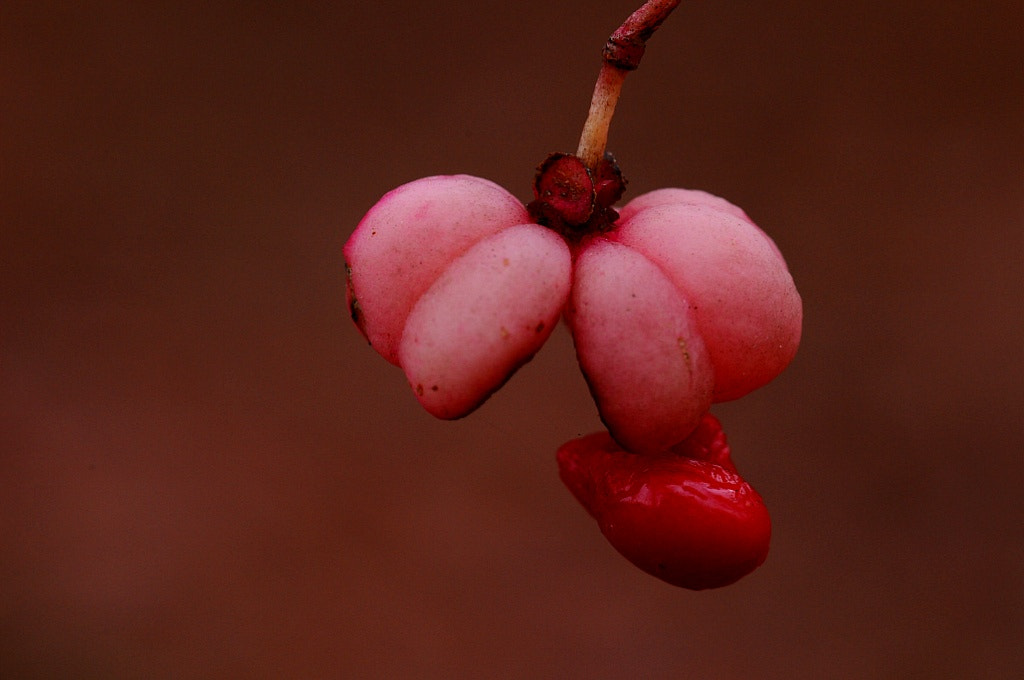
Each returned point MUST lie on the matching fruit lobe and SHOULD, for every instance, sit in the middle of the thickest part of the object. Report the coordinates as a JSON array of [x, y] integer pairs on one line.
[[685, 516], [486, 315], [644, 361], [741, 294], [408, 238], [675, 196], [449, 279], [683, 303]]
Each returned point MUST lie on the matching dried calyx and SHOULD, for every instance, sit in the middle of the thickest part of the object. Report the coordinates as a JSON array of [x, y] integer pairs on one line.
[[574, 193], [574, 200]]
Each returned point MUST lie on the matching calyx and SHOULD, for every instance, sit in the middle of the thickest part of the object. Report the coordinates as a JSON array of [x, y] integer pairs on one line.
[[574, 200]]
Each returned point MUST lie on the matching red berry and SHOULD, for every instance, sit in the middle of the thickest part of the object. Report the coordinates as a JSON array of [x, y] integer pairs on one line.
[[685, 516]]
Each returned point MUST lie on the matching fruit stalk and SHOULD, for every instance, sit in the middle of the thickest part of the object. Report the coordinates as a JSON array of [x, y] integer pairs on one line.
[[622, 54]]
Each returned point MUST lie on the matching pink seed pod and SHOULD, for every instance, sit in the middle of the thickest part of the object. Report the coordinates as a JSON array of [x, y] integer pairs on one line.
[[741, 294], [448, 279], [638, 347], [675, 300], [681, 303]]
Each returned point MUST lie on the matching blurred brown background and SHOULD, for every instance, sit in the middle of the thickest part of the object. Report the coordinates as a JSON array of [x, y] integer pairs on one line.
[[207, 473]]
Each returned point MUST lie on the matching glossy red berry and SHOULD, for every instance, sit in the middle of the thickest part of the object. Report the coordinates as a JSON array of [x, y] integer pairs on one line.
[[685, 516]]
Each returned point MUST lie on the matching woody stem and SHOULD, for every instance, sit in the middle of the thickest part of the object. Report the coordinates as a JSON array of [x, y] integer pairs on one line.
[[622, 54]]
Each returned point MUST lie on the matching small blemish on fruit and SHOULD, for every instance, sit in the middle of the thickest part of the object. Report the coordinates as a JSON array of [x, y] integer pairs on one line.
[[355, 310], [539, 327], [504, 332], [373, 233], [419, 390], [504, 261], [433, 388], [686, 352]]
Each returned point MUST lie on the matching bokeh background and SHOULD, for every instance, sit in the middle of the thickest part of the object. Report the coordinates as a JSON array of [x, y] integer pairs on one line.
[[206, 472]]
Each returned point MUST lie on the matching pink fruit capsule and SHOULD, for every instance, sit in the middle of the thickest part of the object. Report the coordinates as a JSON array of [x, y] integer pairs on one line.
[[681, 302], [675, 301], [741, 294], [407, 240], [448, 279], [638, 347], [485, 316]]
